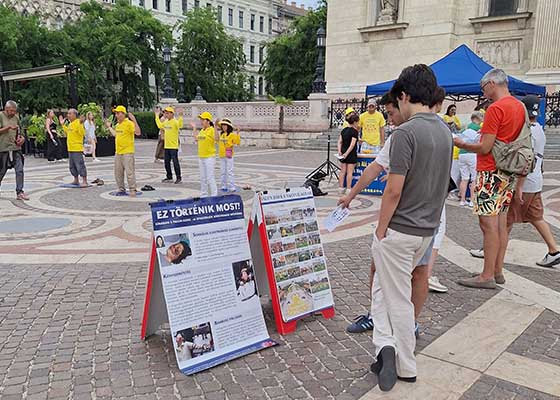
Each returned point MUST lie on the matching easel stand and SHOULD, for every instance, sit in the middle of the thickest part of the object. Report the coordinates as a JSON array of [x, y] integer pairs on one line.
[[330, 167]]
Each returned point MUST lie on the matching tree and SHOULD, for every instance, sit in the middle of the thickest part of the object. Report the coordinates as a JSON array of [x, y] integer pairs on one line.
[[211, 59], [289, 64], [280, 101]]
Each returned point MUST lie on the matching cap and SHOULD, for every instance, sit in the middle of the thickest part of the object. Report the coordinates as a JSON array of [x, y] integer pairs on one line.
[[531, 103], [206, 115], [225, 121], [120, 109], [372, 102], [349, 110], [169, 109]]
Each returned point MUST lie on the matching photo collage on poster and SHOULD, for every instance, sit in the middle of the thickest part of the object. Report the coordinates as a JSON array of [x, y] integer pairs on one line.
[[297, 256]]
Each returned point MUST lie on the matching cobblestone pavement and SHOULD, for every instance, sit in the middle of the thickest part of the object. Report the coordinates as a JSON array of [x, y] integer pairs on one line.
[[70, 314]]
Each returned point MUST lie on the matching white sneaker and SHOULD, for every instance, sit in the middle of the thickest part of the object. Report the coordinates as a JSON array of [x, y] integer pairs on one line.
[[470, 204], [96, 160], [549, 260], [462, 204], [477, 253], [435, 285]]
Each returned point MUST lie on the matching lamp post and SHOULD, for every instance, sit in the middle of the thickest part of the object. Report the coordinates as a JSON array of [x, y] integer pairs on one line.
[[319, 83], [181, 79], [167, 89]]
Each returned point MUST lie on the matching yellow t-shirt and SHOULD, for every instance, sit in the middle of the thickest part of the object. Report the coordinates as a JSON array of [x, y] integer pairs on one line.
[[371, 125], [207, 143], [171, 128], [228, 141], [74, 136], [124, 140], [448, 119]]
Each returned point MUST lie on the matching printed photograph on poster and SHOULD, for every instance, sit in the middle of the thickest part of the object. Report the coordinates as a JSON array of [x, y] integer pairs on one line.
[[295, 298], [194, 342], [174, 249], [244, 280]]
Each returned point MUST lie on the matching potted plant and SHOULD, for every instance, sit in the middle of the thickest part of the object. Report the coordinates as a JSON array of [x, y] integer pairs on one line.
[[280, 139], [105, 141], [36, 133]]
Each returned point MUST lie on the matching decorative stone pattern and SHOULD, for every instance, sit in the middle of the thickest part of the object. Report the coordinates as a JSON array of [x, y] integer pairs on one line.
[[297, 110], [490, 388], [499, 52], [264, 110], [234, 111]]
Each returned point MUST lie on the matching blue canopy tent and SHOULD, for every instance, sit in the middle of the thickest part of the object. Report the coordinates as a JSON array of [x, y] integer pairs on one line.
[[459, 73]]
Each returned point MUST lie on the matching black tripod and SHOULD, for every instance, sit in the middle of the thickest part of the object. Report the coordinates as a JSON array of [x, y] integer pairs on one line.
[[331, 168]]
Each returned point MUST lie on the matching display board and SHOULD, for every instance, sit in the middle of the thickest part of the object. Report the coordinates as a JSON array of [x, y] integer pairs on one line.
[[204, 273], [285, 231], [375, 188]]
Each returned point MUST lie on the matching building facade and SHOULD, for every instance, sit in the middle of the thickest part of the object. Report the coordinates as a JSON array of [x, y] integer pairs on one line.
[[253, 22], [369, 41]]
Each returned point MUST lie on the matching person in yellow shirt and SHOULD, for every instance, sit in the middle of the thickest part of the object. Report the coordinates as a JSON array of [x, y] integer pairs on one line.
[[451, 118], [124, 132], [170, 126], [206, 139], [75, 133], [228, 139], [372, 125]]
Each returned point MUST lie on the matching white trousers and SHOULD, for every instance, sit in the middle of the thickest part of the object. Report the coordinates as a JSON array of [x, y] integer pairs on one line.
[[207, 177], [392, 311], [228, 180]]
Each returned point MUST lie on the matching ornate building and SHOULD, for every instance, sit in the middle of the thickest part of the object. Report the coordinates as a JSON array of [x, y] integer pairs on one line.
[[372, 40]]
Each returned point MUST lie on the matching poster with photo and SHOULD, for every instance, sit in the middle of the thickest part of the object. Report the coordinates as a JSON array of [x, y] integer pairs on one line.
[[300, 268], [208, 281]]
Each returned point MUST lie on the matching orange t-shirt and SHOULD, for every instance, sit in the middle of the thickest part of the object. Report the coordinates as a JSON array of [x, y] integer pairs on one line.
[[504, 118]]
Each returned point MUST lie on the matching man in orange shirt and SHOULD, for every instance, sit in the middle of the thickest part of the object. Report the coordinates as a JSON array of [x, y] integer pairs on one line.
[[494, 188]]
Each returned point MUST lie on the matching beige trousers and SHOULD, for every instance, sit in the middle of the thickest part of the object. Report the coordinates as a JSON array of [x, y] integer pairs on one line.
[[392, 311], [124, 163]]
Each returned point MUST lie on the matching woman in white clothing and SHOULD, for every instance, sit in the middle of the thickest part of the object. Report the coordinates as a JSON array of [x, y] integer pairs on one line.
[[89, 126]]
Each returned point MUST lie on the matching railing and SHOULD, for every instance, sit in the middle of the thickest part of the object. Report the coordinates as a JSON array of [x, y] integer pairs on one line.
[[552, 110], [339, 106]]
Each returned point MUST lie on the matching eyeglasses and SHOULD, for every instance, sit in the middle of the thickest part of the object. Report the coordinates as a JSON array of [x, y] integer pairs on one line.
[[483, 86]]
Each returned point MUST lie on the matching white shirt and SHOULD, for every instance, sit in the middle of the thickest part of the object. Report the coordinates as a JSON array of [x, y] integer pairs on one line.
[[89, 128], [534, 181], [383, 156]]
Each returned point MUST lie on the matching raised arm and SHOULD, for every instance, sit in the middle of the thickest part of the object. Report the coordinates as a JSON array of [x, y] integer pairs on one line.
[[137, 130]]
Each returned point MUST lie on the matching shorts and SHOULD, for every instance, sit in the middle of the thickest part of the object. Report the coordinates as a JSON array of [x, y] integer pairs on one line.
[[493, 192], [77, 164], [467, 166], [530, 211]]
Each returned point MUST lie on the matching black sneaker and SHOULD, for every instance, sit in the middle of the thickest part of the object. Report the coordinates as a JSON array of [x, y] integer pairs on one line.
[[179, 180], [167, 180], [361, 324], [388, 372]]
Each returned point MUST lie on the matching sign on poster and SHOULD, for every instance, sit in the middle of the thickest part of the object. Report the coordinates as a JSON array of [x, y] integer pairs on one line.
[[208, 281]]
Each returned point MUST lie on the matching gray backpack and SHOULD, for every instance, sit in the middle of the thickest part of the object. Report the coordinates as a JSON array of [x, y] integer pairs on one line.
[[516, 157]]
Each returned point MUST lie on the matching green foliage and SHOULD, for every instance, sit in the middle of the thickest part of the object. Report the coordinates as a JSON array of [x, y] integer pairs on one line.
[[147, 124], [280, 100], [211, 59], [290, 60], [97, 111], [36, 128]]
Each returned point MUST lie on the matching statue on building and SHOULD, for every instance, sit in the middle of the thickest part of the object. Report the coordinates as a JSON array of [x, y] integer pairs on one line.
[[388, 12]]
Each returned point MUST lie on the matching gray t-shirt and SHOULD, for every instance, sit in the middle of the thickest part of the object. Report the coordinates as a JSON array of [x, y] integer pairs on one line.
[[421, 150]]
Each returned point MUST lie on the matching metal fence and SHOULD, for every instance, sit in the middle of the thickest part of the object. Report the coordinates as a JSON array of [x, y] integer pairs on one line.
[[552, 110], [339, 106]]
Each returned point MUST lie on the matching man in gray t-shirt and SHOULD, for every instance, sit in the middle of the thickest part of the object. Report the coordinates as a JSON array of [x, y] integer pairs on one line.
[[421, 153]]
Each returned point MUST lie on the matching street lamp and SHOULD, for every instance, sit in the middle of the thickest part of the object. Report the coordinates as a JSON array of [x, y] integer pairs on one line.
[[181, 79], [167, 89], [319, 83]]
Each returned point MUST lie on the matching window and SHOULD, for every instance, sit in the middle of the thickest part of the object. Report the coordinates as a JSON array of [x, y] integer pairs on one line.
[[261, 86], [197, 3], [261, 54], [154, 4], [502, 7], [141, 3], [252, 84], [252, 22], [219, 13], [168, 6], [184, 6], [252, 54], [270, 26], [241, 19], [230, 16], [261, 24]]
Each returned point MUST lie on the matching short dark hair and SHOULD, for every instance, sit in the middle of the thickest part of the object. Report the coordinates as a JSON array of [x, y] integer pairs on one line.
[[418, 81], [388, 98], [439, 96], [187, 252], [449, 107], [351, 118]]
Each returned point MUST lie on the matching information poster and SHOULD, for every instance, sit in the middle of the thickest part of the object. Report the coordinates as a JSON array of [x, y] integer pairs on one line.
[[377, 187], [300, 269], [208, 281]]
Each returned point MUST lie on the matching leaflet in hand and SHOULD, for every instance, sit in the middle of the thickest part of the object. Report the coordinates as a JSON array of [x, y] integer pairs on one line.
[[339, 156], [335, 218]]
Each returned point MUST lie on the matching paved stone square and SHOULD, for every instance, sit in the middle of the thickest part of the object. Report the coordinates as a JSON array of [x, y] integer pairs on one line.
[[73, 266]]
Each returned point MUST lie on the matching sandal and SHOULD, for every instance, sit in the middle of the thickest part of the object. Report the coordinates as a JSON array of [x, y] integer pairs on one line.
[[96, 180], [147, 188], [99, 182]]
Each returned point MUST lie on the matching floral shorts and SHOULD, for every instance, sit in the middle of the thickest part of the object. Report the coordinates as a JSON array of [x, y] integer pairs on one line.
[[493, 192]]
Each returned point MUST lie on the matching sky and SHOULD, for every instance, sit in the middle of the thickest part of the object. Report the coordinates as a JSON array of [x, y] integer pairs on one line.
[[312, 3]]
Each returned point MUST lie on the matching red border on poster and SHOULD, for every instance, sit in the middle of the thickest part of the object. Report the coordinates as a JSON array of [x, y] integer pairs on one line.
[[283, 328], [148, 295]]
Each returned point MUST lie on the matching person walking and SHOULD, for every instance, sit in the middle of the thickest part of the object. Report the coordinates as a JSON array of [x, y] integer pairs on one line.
[[11, 141], [421, 151], [124, 132], [228, 140], [170, 126], [54, 152], [91, 139], [75, 133], [372, 125], [467, 159], [206, 139], [494, 188], [348, 151]]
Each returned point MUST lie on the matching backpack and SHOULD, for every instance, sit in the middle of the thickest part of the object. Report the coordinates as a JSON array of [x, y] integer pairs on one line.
[[516, 157]]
